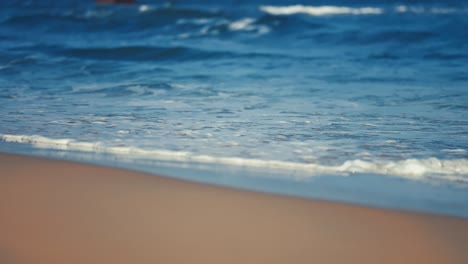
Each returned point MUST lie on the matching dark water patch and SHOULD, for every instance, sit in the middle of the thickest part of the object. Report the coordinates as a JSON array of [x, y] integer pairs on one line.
[[6, 57], [275, 56], [403, 37], [384, 56], [45, 21], [199, 77], [8, 37], [49, 15], [140, 53], [35, 48], [361, 37], [446, 56], [167, 54], [384, 79], [458, 76], [400, 36]]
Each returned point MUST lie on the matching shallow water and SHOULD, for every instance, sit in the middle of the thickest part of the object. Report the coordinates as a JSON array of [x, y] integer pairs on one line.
[[336, 88]]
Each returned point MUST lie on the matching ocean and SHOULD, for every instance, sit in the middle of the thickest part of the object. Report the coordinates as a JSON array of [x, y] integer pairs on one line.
[[364, 102]]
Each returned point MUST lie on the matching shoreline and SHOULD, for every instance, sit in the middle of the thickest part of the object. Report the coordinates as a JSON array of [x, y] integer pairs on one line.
[[55, 211]]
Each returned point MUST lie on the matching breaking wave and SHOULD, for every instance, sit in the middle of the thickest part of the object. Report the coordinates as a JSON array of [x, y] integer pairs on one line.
[[345, 10], [417, 169], [320, 10]]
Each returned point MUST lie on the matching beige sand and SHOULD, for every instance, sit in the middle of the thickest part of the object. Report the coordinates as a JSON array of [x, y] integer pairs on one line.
[[65, 213]]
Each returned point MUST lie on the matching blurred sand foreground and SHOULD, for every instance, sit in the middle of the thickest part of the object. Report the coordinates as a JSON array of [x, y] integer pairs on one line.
[[66, 213]]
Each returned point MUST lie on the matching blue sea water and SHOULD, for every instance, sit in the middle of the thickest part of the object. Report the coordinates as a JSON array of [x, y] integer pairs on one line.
[[357, 101]]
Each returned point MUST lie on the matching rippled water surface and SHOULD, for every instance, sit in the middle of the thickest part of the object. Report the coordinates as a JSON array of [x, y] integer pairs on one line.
[[335, 88]]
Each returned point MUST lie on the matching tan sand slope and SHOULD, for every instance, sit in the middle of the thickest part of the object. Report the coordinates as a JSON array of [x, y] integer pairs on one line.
[[66, 213]]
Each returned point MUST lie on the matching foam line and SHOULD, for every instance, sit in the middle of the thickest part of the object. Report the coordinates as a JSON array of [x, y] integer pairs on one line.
[[430, 168], [423, 10], [320, 10]]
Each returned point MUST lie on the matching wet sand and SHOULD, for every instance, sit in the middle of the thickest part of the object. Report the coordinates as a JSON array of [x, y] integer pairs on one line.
[[62, 212]]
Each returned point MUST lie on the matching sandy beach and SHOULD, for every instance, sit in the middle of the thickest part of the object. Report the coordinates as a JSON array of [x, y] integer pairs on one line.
[[63, 212]]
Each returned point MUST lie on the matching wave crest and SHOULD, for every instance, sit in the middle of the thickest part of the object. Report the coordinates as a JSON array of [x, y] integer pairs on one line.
[[320, 10], [417, 169]]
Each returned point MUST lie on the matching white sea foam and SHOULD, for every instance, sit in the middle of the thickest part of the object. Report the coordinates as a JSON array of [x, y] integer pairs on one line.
[[243, 24], [247, 24], [343, 10], [214, 27], [320, 10], [143, 8], [199, 21], [424, 10], [430, 168]]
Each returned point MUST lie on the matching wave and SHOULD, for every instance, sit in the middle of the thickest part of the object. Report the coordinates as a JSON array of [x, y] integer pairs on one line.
[[345, 10], [320, 10], [426, 10], [210, 27], [417, 169]]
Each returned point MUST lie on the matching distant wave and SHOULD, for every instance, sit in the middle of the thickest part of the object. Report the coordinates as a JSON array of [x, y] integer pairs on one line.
[[417, 169], [320, 10], [208, 27], [247, 24], [344, 10], [426, 10]]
